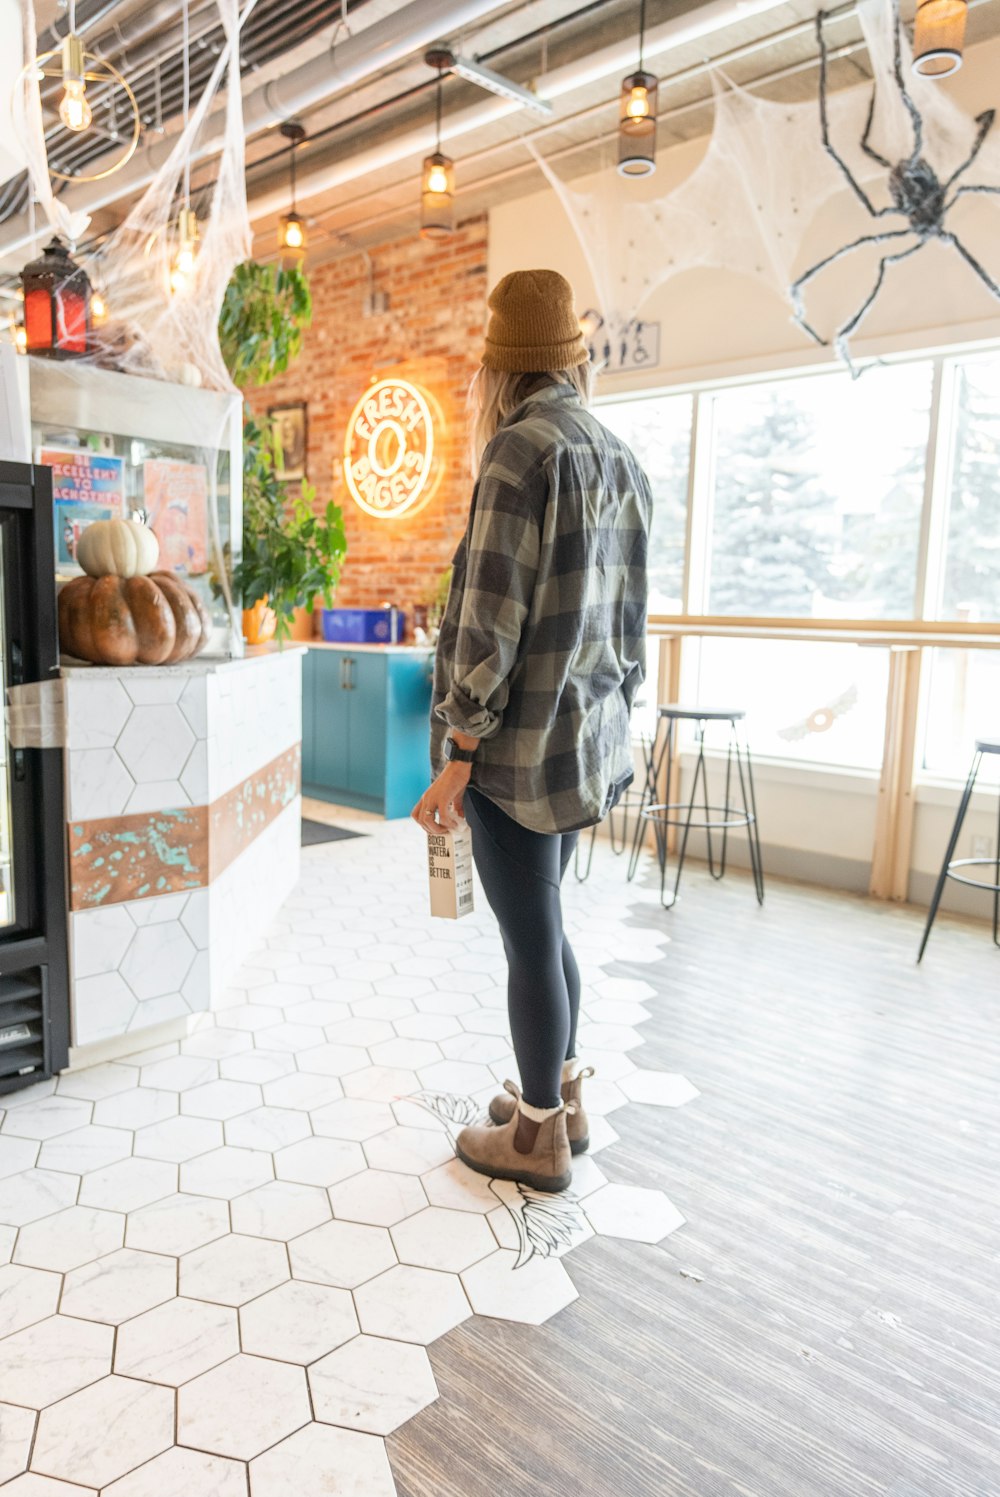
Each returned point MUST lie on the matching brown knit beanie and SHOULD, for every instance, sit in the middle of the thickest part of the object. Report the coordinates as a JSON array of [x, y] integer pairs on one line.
[[533, 325]]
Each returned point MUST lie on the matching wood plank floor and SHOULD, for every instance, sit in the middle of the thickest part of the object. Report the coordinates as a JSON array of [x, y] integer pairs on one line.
[[827, 1324]]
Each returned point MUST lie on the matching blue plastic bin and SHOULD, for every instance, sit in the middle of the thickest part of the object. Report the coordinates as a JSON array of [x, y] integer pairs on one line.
[[363, 626]]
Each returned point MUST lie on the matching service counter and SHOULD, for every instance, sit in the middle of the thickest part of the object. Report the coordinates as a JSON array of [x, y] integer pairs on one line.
[[183, 807]]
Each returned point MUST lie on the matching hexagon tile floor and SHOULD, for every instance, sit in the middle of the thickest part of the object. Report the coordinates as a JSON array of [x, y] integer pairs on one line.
[[226, 1257]]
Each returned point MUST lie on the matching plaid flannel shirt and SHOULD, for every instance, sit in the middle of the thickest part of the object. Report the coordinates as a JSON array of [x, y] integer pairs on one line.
[[543, 641]]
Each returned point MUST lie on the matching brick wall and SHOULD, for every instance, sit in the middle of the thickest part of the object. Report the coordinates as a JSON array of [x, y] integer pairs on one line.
[[432, 333]]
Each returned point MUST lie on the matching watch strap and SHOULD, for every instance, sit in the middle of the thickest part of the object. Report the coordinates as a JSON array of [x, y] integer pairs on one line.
[[456, 755]]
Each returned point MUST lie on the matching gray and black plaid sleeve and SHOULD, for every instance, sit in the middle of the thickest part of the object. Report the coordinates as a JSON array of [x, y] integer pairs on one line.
[[500, 571]]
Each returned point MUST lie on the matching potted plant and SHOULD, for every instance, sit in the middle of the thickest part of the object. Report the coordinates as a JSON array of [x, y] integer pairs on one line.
[[291, 554]]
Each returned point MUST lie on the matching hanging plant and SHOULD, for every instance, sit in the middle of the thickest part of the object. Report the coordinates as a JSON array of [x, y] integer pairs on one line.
[[291, 554], [264, 313]]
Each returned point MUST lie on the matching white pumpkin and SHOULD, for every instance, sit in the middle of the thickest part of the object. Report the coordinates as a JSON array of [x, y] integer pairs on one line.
[[119, 548]]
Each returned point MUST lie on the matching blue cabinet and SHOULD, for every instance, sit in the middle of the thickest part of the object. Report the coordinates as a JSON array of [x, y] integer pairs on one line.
[[366, 727]]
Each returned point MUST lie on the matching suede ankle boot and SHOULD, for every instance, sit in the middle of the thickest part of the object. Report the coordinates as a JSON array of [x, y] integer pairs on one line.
[[494, 1152], [503, 1107]]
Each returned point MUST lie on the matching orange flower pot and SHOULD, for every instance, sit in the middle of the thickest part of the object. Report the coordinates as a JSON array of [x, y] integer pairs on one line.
[[259, 623]]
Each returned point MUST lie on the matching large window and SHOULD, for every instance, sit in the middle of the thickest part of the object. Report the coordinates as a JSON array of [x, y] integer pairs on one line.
[[970, 581], [817, 486], [810, 497], [658, 430]]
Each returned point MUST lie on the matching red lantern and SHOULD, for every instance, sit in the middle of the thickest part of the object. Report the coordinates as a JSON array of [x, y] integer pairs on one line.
[[56, 304]]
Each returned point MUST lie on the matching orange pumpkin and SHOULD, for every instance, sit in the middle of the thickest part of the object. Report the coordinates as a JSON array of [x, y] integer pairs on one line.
[[154, 620]]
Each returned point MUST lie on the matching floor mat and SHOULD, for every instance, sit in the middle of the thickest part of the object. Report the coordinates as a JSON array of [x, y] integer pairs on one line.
[[314, 832]]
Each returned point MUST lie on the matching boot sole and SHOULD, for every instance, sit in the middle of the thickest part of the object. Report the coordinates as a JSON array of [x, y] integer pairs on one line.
[[550, 1183], [576, 1145]]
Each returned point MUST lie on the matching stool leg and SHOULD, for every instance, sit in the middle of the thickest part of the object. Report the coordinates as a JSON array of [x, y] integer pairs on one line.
[[699, 768], [996, 886], [582, 878], [611, 827], [647, 797], [753, 825], [956, 830], [725, 798], [660, 830]]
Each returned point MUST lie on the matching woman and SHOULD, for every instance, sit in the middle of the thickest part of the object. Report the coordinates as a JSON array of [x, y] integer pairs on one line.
[[541, 652]]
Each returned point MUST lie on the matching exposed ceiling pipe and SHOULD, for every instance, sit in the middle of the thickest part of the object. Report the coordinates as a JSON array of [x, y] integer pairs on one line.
[[616, 58], [593, 111], [377, 47]]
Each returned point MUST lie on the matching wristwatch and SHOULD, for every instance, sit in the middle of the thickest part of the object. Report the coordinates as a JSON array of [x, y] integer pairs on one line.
[[454, 754]]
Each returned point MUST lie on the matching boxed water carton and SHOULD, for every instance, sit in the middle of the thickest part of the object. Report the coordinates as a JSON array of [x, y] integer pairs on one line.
[[449, 860]]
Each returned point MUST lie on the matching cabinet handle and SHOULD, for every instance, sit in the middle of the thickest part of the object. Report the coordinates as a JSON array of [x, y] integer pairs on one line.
[[350, 674], [343, 672]]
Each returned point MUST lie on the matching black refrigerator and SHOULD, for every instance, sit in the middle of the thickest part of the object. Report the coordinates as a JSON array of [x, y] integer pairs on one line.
[[34, 979]]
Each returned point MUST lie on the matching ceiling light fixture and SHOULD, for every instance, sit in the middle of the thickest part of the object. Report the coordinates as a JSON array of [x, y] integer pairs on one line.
[[637, 116], [938, 37], [74, 107], [437, 189], [292, 229], [75, 69]]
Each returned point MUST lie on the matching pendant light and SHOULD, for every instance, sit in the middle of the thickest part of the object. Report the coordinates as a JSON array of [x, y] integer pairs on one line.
[[74, 106], [292, 229], [938, 37], [437, 192], [637, 116], [75, 69], [183, 265]]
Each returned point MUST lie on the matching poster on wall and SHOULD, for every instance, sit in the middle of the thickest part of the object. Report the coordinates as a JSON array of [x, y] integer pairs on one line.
[[175, 498], [86, 486]]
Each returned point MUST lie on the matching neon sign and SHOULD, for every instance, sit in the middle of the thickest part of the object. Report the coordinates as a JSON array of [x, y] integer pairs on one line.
[[389, 465]]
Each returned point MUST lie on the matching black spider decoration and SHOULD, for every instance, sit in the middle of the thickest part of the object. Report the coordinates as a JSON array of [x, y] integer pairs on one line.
[[917, 194]]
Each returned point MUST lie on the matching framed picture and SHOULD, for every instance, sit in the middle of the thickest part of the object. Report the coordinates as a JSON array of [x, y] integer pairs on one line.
[[175, 498], [288, 423]]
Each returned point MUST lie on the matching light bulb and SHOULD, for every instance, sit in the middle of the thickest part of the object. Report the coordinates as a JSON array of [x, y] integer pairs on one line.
[[21, 339], [293, 234], [638, 103], [98, 307], [184, 262], [437, 179], [74, 108]]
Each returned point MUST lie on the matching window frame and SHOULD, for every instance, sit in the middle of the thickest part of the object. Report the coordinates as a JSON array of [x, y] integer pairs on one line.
[[935, 503]]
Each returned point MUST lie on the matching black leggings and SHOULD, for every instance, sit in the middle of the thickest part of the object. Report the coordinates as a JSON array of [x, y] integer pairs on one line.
[[521, 872]]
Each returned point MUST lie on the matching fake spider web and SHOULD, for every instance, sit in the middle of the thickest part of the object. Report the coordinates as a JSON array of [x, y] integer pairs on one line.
[[154, 328], [749, 203]]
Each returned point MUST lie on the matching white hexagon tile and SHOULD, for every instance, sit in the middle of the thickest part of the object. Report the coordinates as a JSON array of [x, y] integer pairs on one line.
[[234, 1250]]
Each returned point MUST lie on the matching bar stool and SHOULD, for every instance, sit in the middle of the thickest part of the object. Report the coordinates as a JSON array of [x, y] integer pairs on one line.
[[715, 818], [983, 746]]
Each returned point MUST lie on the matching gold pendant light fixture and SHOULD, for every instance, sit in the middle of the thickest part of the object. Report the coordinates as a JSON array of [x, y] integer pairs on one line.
[[938, 37], [292, 229], [637, 116], [76, 68], [437, 189]]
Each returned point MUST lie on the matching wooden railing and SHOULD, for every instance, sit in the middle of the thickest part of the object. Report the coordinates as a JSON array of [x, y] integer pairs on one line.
[[905, 640]]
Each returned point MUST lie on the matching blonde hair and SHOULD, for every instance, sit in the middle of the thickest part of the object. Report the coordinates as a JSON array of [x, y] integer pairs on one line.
[[495, 393]]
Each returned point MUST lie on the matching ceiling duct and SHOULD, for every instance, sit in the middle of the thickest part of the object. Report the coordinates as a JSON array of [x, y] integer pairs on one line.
[[379, 46]]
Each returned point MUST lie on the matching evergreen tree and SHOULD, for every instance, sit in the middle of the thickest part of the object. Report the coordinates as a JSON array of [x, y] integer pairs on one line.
[[972, 563], [880, 574], [773, 521]]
